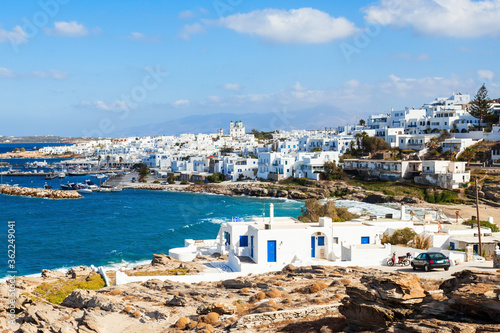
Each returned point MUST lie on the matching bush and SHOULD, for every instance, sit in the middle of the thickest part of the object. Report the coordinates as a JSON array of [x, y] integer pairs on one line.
[[400, 237], [314, 210], [216, 178], [184, 182], [485, 224], [56, 292]]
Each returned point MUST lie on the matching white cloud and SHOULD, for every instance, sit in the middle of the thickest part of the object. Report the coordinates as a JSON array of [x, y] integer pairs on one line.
[[138, 36], [67, 29], [294, 26], [232, 86], [486, 74], [426, 87], [412, 57], [50, 74], [451, 18], [103, 106], [186, 14], [191, 29], [16, 36], [181, 103], [6, 73]]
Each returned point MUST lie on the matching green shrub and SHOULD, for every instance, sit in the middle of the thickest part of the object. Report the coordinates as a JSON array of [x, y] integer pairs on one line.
[[400, 237], [56, 292], [485, 224]]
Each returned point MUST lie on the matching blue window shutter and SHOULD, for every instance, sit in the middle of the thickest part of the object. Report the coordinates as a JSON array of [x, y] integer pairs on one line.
[[243, 241]]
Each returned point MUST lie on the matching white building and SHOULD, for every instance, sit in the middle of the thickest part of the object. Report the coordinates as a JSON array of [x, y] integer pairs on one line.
[[445, 174], [236, 129]]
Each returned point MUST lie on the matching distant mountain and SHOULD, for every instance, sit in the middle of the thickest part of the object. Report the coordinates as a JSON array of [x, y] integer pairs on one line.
[[309, 119]]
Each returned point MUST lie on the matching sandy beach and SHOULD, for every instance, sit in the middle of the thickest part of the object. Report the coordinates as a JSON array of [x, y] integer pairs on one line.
[[467, 211]]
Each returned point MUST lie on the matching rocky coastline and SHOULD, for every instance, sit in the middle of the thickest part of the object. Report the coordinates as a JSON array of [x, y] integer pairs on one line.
[[39, 192], [320, 190], [304, 299]]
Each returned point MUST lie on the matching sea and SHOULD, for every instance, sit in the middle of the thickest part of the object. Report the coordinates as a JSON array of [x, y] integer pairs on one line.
[[123, 229]]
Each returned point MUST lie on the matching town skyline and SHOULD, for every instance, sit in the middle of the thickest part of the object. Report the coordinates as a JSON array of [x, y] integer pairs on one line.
[[84, 69]]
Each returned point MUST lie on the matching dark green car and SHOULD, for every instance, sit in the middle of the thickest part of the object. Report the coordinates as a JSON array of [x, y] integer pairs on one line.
[[430, 260]]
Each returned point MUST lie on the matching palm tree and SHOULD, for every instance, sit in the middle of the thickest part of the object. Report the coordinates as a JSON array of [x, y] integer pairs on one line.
[[362, 122], [99, 160], [107, 159], [358, 137]]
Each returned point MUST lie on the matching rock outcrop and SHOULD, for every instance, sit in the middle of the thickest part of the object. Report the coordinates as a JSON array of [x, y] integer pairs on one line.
[[39, 192], [296, 299]]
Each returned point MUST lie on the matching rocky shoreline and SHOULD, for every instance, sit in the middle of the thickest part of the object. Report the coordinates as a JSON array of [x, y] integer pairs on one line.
[[39, 192], [320, 190], [305, 299]]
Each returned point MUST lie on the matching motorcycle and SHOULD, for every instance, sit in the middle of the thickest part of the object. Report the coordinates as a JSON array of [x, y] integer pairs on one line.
[[402, 260]]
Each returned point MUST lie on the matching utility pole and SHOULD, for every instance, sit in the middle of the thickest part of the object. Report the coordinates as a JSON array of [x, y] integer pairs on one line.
[[477, 217]]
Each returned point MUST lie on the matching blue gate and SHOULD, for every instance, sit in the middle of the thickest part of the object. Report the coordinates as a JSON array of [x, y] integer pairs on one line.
[[271, 251], [365, 240], [251, 246], [313, 246]]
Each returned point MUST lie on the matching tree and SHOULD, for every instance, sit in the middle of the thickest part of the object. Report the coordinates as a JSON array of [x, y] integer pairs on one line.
[[444, 135], [400, 237], [468, 154], [372, 144], [331, 171], [480, 107], [107, 159], [314, 210], [362, 122]]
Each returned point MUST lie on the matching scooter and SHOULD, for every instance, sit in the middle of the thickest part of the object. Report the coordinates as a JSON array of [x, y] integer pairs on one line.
[[402, 260]]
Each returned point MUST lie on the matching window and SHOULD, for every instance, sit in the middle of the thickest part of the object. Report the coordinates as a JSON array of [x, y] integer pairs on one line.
[[243, 241], [321, 241], [335, 240]]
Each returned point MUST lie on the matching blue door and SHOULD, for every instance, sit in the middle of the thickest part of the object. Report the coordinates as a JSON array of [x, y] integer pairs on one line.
[[365, 240], [251, 246], [313, 247], [271, 251]]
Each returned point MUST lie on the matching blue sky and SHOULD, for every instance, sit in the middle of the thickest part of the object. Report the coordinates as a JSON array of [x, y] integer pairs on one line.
[[79, 68]]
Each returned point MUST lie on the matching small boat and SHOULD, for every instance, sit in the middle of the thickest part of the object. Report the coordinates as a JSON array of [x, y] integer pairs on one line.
[[84, 191], [116, 189], [90, 185], [104, 189], [61, 175], [47, 187]]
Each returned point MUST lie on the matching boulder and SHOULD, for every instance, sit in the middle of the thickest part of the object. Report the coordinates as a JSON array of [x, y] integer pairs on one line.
[[236, 284], [475, 294], [162, 259], [82, 299]]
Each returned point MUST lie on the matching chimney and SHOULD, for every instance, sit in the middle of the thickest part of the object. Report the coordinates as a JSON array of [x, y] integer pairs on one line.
[[402, 212], [271, 213]]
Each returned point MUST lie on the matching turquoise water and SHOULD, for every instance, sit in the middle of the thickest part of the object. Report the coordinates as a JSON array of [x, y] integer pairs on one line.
[[106, 229]]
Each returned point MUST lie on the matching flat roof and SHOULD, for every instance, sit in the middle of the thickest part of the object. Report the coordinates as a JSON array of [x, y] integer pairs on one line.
[[495, 238]]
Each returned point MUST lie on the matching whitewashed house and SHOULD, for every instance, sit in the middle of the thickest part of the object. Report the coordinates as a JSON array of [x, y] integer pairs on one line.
[[310, 165], [383, 169], [445, 174]]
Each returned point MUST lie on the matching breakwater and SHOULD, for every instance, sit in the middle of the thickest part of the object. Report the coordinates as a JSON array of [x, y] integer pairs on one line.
[[39, 192]]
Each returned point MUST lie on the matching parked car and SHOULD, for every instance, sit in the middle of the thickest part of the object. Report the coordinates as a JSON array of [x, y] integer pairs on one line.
[[163, 183], [430, 260]]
